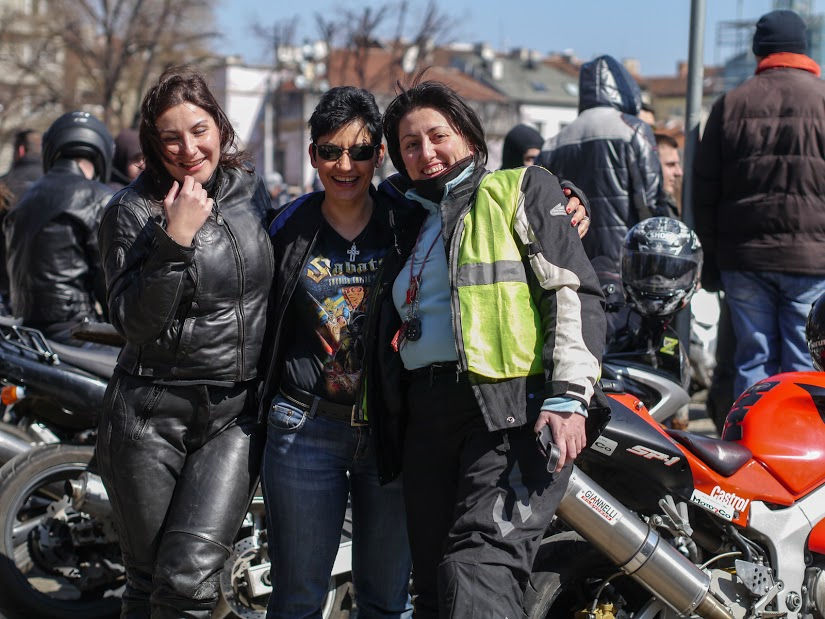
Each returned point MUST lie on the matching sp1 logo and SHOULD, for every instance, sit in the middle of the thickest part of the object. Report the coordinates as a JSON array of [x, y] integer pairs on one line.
[[651, 454]]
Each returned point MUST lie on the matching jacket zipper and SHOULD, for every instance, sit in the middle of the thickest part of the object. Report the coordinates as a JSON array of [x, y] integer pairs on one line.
[[221, 221], [456, 307]]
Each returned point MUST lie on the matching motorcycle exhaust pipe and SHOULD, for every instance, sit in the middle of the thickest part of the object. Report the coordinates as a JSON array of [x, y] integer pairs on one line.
[[637, 549], [89, 494], [11, 446]]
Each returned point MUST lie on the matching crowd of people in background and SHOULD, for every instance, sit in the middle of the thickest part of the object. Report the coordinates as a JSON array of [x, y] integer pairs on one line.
[[337, 339]]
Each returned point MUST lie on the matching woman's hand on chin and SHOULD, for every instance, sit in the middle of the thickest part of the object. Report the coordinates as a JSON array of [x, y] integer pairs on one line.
[[187, 208]]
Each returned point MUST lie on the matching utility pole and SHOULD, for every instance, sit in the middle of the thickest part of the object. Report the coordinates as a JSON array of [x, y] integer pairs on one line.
[[693, 112], [696, 73]]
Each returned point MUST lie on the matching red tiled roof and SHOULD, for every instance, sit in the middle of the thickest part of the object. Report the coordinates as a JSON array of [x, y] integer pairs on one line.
[[376, 71], [676, 85]]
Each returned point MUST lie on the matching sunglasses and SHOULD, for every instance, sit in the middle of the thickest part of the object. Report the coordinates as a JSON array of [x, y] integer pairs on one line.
[[357, 152]]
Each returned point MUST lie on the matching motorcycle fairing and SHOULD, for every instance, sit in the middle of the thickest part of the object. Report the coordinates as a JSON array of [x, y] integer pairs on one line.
[[650, 464], [643, 480], [780, 419]]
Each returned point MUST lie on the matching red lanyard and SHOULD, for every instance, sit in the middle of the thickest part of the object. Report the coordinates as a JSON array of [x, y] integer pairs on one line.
[[415, 280]]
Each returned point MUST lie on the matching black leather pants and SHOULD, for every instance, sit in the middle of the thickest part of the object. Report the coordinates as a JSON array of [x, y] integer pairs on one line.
[[180, 464]]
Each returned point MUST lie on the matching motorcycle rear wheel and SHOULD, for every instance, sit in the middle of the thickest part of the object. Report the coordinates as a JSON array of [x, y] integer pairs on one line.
[[568, 569], [29, 484]]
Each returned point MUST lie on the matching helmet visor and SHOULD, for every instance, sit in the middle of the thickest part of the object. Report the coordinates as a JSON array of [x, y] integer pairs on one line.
[[659, 273]]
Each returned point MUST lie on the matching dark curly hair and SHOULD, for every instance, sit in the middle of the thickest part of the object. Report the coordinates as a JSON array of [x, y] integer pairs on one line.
[[440, 97], [178, 85]]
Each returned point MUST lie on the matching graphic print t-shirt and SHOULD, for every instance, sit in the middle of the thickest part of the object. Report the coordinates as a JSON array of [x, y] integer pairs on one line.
[[328, 311]]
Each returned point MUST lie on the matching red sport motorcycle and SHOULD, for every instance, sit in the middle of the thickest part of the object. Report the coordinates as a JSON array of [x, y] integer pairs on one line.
[[660, 523], [691, 525]]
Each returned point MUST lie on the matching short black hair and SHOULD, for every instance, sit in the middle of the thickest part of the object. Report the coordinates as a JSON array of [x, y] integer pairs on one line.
[[340, 106], [668, 140], [437, 96]]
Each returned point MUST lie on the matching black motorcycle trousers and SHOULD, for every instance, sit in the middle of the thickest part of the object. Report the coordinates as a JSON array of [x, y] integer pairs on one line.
[[180, 464], [478, 503]]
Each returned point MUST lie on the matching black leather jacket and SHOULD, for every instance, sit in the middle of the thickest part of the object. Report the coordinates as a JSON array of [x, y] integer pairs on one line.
[[189, 313], [52, 255], [611, 155]]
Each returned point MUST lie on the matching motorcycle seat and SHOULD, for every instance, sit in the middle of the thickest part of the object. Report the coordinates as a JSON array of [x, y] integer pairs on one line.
[[724, 457], [101, 363]]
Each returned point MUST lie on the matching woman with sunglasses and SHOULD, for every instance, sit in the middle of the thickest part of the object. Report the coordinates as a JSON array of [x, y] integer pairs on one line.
[[490, 331], [329, 246]]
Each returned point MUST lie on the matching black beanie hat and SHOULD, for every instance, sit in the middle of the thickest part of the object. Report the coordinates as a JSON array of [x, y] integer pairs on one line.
[[518, 141], [780, 31]]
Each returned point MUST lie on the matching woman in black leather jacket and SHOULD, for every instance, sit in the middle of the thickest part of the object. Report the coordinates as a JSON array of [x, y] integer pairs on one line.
[[188, 269]]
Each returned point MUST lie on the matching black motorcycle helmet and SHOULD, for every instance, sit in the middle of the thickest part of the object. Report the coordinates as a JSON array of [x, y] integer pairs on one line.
[[661, 264], [79, 134], [815, 333]]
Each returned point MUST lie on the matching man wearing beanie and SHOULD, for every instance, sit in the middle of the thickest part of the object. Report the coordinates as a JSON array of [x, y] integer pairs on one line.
[[760, 200]]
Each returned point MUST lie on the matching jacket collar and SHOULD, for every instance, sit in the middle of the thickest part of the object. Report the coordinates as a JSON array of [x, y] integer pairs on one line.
[[157, 184], [787, 60], [66, 166]]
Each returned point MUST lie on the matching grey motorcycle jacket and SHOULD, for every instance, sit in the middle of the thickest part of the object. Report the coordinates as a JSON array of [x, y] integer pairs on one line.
[[51, 242], [189, 313]]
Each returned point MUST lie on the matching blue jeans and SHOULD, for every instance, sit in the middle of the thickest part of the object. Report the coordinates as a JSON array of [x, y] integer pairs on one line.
[[310, 467], [768, 311]]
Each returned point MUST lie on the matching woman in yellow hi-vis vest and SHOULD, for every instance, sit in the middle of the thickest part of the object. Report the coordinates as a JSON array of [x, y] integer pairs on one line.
[[495, 314]]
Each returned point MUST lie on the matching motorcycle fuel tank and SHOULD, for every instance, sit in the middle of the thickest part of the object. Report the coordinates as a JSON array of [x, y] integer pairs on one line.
[[635, 458], [781, 419]]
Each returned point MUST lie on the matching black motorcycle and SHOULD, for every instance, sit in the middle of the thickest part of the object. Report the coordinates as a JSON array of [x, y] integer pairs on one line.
[[59, 555]]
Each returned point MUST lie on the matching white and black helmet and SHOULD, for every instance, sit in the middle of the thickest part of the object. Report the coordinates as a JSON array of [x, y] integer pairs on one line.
[[661, 264], [79, 134], [815, 333]]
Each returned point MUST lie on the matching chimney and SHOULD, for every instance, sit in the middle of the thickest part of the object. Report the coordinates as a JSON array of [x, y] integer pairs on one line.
[[682, 69], [633, 65]]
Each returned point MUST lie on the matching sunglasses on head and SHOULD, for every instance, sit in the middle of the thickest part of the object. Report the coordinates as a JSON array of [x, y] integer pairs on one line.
[[357, 152]]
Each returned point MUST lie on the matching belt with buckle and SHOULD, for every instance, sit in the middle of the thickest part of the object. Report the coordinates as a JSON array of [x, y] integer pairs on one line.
[[315, 405], [435, 369]]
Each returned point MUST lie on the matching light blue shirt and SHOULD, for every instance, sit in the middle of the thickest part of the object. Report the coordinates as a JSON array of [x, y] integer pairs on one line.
[[437, 343]]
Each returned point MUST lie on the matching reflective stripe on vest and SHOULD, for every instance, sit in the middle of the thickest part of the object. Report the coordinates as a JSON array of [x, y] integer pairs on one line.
[[500, 324]]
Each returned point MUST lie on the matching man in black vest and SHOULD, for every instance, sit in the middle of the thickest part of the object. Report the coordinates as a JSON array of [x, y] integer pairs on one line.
[[760, 200]]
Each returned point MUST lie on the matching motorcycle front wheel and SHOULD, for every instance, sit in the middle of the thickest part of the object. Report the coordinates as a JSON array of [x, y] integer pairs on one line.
[[54, 561]]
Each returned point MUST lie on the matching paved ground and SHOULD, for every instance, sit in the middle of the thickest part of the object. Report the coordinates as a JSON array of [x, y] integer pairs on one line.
[[699, 421]]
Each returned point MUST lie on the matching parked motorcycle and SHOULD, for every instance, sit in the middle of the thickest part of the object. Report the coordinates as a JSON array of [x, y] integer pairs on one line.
[[678, 524], [660, 523], [59, 555]]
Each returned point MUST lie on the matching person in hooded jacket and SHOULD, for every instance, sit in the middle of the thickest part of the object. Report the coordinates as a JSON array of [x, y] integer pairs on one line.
[[522, 145], [610, 153], [127, 163]]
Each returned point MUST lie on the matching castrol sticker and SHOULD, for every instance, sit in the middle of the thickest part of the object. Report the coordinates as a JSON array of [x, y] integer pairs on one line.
[[599, 504], [712, 504]]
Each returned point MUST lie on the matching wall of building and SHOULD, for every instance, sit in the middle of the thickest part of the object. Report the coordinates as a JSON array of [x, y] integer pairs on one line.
[[548, 120]]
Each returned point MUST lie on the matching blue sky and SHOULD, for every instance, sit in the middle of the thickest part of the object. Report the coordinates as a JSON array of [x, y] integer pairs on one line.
[[653, 31]]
